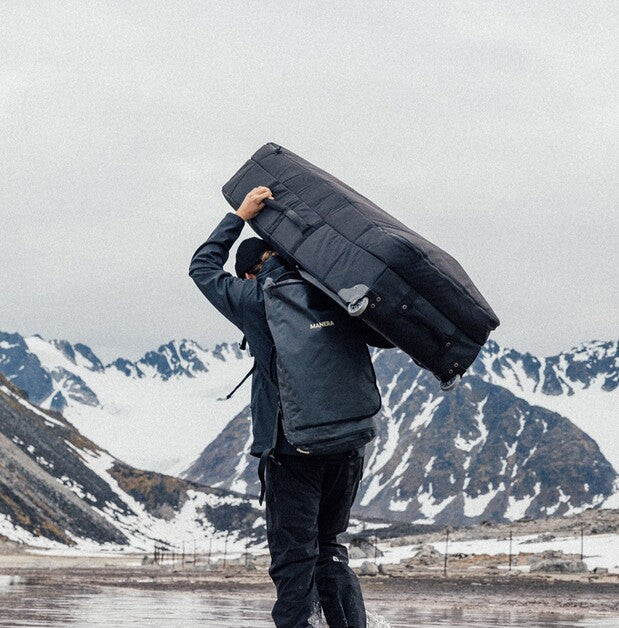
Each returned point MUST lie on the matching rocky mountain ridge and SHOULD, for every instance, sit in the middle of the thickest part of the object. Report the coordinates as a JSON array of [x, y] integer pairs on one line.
[[477, 453], [59, 489], [496, 448], [156, 413]]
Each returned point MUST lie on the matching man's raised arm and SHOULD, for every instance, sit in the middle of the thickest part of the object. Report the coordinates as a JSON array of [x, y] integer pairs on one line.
[[222, 289]]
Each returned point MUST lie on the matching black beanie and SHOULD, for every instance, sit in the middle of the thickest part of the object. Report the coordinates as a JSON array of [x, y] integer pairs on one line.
[[248, 255]]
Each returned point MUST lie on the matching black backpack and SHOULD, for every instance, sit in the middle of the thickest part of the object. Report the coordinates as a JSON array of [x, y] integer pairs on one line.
[[326, 381]]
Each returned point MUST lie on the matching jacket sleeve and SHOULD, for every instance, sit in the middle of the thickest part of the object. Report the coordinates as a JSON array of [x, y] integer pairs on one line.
[[226, 292]]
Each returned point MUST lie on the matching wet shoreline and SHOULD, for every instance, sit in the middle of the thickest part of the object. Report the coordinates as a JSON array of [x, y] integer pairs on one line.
[[556, 594]]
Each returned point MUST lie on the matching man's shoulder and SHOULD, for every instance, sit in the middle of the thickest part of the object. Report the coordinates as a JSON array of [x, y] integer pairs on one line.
[[248, 299]]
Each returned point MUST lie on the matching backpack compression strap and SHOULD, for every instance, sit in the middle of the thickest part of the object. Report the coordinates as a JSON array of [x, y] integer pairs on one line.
[[251, 370]]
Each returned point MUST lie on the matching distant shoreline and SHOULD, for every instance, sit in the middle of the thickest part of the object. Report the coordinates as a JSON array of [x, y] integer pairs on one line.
[[559, 594]]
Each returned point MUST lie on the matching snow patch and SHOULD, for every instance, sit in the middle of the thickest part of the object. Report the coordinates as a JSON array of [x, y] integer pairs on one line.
[[516, 508], [428, 409], [511, 449], [428, 505], [468, 445], [563, 499], [399, 505], [475, 506], [428, 466], [237, 484], [372, 490], [403, 464], [389, 447]]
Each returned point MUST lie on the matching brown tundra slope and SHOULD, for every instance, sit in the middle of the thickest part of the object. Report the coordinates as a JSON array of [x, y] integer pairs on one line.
[[59, 488]]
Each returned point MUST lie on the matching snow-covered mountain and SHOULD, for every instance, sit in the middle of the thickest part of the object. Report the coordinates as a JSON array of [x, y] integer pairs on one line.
[[156, 413], [476, 453], [580, 384], [506, 443], [59, 489]]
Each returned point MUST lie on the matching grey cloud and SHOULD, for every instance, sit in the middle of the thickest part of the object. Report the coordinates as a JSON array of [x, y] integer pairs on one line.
[[488, 127]]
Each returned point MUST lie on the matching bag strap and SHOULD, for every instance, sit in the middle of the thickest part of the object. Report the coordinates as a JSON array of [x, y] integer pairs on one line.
[[291, 214], [251, 370], [268, 453]]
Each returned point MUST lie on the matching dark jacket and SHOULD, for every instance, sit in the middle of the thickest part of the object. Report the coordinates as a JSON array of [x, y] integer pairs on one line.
[[241, 302]]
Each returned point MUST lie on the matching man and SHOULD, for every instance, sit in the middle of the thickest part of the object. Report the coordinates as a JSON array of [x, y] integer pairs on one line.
[[308, 498]]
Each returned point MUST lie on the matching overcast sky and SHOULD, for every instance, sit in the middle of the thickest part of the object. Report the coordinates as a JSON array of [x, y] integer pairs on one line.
[[488, 127]]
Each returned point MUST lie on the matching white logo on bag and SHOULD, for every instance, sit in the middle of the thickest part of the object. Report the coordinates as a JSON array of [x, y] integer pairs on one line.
[[322, 324]]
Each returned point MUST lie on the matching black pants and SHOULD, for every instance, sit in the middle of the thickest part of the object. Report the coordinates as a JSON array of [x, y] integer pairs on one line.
[[308, 501]]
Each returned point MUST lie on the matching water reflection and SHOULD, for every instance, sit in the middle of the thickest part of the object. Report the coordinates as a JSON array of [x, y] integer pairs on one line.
[[41, 605]]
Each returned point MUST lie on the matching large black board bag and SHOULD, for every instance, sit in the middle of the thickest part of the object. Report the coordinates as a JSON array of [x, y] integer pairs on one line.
[[400, 284]]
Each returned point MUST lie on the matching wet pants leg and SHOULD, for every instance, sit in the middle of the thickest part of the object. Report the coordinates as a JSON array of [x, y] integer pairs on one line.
[[338, 586], [308, 503]]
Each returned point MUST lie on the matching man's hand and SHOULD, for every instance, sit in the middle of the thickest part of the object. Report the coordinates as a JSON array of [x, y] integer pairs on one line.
[[253, 203]]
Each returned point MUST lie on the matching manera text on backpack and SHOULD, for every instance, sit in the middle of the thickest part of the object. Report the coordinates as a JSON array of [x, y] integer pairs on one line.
[[326, 380]]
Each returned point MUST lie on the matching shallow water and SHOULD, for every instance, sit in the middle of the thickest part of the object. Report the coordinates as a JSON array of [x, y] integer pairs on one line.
[[115, 607]]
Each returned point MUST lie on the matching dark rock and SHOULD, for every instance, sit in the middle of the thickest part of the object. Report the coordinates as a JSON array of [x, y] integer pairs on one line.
[[384, 570], [557, 565], [550, 554], [23, 368], [541, 538], [361, 547], [428, 555], [86, 352]]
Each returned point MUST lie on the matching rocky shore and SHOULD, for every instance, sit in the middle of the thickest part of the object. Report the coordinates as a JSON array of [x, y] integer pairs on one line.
[[408, 588]]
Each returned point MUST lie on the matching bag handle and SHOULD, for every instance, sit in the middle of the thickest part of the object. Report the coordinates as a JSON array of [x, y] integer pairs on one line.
[[289, 213]]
